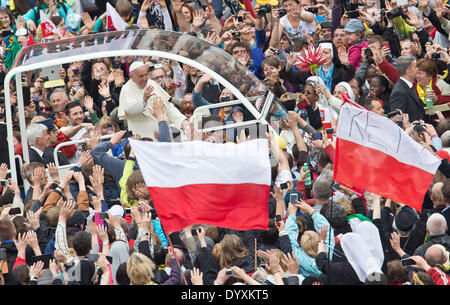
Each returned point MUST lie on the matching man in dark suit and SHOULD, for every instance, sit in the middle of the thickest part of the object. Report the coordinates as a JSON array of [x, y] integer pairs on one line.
[[39, 137], [403, 95]]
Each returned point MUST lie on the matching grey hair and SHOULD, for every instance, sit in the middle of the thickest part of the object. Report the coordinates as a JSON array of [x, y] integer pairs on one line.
[[65, 96], [33, 131], [436, 191], [404, 63], [336, 214], [322, 189], [445, 137], [436, 224], [327, 174]]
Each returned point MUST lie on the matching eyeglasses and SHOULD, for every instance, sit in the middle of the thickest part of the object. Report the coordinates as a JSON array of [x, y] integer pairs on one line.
[[239, 51], [308, 92], [339, 35]]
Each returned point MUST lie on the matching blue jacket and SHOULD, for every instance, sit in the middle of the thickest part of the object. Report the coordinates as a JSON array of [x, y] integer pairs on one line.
[[307, 264], [63, 10]]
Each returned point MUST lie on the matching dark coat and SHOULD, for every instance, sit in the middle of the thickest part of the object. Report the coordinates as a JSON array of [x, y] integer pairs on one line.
[[341, 273], [405, 99], [443, 239]]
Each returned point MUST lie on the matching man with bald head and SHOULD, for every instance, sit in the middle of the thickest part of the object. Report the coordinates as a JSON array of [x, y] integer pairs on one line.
[[437, 197], [136, 100]]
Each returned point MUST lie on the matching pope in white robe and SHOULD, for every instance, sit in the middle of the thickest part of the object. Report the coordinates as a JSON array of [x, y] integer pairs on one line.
[[137, 96]]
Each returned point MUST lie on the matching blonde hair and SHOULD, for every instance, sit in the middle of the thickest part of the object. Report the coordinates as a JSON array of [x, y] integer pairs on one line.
[[37, 118], [107, 120], [140, 269], [345, 201], [233, 249], [309, 243]]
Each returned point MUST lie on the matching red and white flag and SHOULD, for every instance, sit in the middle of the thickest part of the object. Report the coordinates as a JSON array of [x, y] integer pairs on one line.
[[48, 27], [198, 182], [374, 154], [114, 21]]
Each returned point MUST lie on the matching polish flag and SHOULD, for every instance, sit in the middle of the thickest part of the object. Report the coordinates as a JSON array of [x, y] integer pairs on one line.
[[114, 21], [48, 27], [225, 185], [374, 154], [325, 117]]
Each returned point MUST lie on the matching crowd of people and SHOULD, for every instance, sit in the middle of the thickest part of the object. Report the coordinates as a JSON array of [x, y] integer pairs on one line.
[[96, 224]]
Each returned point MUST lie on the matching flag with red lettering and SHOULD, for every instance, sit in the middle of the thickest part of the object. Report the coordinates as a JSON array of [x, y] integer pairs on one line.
[[374, 154], [48, 27], [114, 21], [225, 185]]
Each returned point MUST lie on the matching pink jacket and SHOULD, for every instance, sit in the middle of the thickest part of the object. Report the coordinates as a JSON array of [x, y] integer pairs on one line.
[[354, 54]]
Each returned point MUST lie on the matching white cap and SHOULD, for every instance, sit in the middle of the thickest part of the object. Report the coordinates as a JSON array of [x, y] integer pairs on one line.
[[116, 210], [136, 65]]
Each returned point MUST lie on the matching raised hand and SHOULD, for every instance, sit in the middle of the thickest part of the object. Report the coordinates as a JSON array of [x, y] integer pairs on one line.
[[196, 277], [66, 211], [103, 90], [198, 19], [141, 192], [102, 232], [33, 219], [88, 22], [36, 270], [291, 262], [119, 79], [158, 108], [3, 171]]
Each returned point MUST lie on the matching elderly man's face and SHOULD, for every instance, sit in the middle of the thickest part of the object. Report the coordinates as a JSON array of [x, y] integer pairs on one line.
[[58, 102], [139, 77]]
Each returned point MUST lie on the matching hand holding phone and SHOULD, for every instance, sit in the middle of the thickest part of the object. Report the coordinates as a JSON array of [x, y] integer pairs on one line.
[[408, 262], [45, 258]]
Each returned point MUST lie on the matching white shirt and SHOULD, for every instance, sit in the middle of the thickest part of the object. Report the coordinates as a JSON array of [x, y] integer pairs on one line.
[[303, 27]]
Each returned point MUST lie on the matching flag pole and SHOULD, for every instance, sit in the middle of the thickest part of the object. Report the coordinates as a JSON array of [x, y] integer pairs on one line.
[[256, 259]]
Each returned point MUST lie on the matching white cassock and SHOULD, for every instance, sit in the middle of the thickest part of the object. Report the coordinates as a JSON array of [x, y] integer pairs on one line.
[[139, 119]]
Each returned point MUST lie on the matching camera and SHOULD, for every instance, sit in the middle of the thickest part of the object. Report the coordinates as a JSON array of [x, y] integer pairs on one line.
[[368, 52], [275, 51], [282, 12], [392, 114], [352, 14], [396, 12], [263, 10], [418, 128], [382, 12], [4, 182], [400, 121], [435, 56], [235, 33], [313, 10], [240, 19]]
